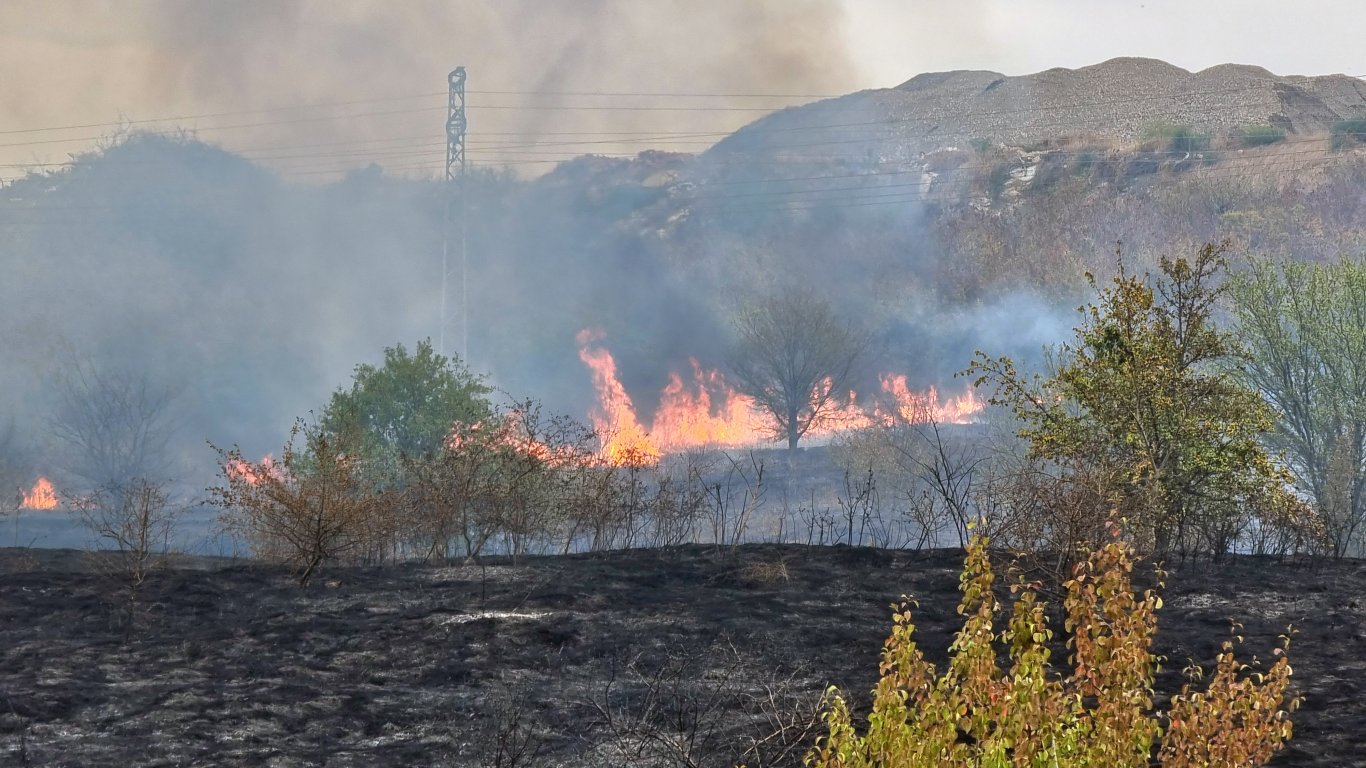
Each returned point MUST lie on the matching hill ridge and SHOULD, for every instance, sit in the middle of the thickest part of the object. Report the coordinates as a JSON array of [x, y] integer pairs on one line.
[[1119, 99]]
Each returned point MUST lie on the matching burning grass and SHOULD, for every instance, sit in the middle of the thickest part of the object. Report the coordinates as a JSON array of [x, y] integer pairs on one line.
[[706, 412]]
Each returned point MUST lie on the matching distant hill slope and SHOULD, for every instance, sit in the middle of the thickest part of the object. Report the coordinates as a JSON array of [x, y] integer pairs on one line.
[[1118, 99]]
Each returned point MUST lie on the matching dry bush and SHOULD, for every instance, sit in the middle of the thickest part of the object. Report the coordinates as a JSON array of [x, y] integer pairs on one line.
[[1053, 512], [699, 707], [1101, 713], [453, 499], [765, 573], [734, 501], [314, 506], [680, 499], [513, 737]]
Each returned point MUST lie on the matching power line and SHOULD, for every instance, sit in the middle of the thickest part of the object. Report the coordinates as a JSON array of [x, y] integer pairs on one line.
[[1127, 99], [960, 178], [503, 152]]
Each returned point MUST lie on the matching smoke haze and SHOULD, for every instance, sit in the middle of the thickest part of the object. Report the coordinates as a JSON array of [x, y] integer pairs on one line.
[[84, 62]]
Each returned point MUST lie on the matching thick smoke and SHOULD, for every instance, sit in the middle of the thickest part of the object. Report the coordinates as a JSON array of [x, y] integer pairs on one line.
[[254, 296], [250, 295], [92, 61]]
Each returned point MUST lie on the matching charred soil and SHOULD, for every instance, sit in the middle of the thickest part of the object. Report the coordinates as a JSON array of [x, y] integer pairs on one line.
[[642, 657]]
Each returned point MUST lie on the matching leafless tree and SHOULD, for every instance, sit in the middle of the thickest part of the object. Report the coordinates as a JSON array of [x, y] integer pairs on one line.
[[949, 469], [796, 358], [114, 423], [132, 522], [14, 472]]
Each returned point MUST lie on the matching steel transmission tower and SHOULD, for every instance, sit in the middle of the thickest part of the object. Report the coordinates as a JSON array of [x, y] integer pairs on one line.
[[455, 177]]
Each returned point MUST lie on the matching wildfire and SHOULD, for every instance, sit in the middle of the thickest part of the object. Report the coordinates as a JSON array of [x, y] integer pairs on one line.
[[42, 496], [508, 432], [252, 473], [708, 412], [922, 407], [625, 441]]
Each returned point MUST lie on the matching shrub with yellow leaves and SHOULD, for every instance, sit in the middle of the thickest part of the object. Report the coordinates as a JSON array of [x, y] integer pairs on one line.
[[1100, 713]]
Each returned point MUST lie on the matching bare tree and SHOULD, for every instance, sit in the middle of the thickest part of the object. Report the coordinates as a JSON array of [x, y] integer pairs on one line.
[[14, 472], [796, 358], [948, 469], [132, 522], [115, 423]]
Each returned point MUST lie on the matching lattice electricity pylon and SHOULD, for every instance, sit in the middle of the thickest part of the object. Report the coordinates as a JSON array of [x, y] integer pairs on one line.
[[455, 169], [455, 126]]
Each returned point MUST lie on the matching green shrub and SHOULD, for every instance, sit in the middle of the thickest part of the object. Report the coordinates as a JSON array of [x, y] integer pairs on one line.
[[1178, 138], [1349, 132], [1260, 135], [976, 714], [1086, 160]]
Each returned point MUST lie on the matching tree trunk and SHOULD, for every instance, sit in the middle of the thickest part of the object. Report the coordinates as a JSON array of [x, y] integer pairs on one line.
[[792, 433]]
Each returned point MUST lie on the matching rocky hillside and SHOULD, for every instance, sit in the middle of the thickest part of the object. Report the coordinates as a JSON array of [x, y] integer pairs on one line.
[[1121, 99]]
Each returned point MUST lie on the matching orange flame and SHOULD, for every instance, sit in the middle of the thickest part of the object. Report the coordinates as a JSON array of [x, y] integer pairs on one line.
[[922, 407], [42, 496], [686, 417], [708, 412], [252, 473], [624, 440], [508, 432]]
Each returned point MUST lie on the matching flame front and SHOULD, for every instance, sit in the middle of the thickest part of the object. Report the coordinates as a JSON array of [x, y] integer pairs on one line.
[[708, 412], [923, 407], [686, 417], [41, 496], [624, 440]]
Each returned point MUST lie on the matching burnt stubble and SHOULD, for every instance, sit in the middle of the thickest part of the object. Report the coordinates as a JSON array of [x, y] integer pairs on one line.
[[639, 657]]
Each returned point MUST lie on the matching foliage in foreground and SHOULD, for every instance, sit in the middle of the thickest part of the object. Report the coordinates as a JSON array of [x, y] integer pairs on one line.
[[1100, 714]]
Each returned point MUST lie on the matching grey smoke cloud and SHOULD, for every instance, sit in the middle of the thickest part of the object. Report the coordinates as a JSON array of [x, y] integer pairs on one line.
[[89, 60]]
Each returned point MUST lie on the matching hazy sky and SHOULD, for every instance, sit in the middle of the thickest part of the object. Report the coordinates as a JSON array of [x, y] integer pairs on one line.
[[70, 63]]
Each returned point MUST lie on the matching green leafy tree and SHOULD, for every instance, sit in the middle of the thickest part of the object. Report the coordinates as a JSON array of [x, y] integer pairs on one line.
[[1143, 397], [1304, 326], [405, 407]]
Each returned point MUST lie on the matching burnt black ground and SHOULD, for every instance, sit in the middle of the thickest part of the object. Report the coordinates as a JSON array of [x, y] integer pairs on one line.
[[418, 665]]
